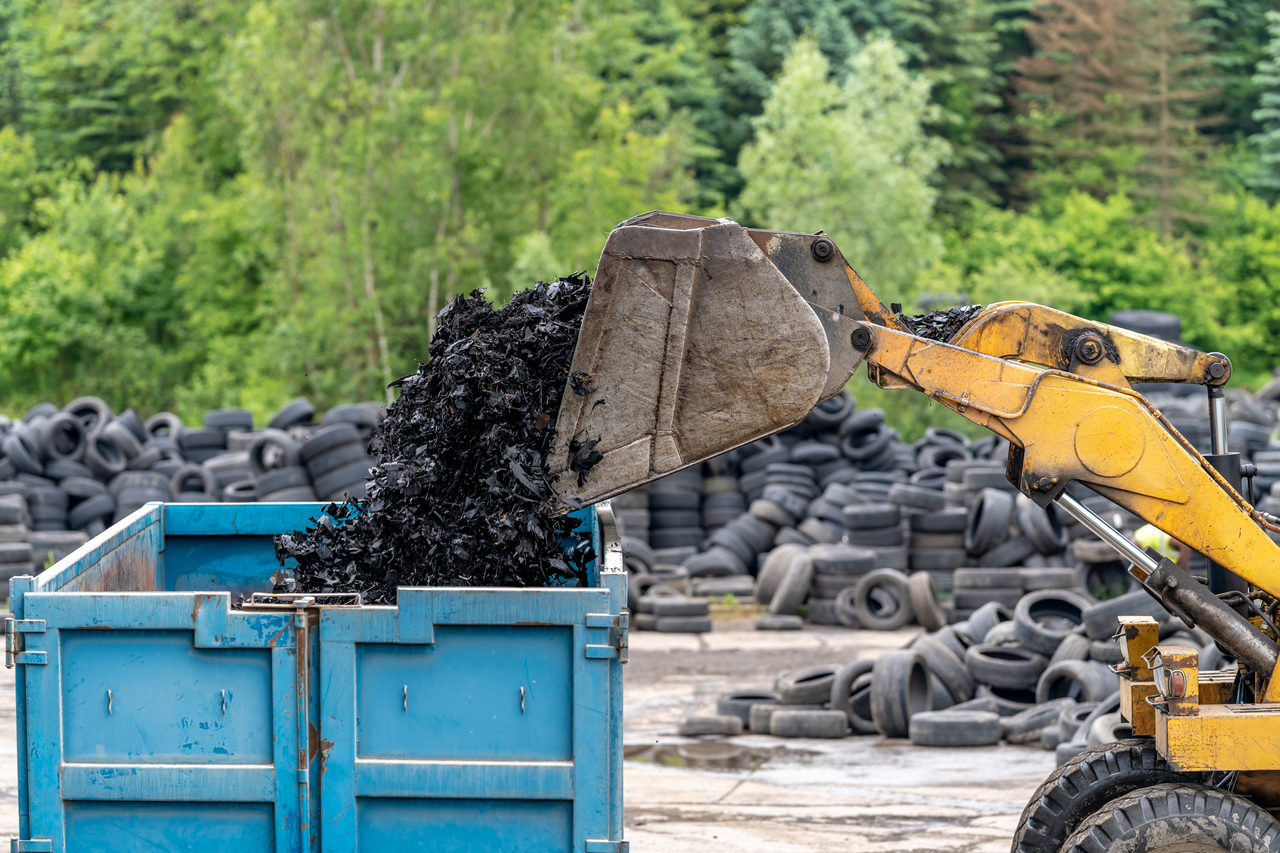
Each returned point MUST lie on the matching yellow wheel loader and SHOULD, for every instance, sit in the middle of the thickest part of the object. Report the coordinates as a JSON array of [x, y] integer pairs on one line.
[[701, 336]]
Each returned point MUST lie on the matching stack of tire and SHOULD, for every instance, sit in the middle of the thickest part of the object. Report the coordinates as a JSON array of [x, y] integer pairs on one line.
[[15, 533], [278, 473], [878, 527], [1004, 530], [667, 611], [733, 549], [975, 587], [837, 572], [337, 462], [71, 472], [658, 596], [804, 483], [631, 510], [1037, 674], [675, 516], [722, 502]]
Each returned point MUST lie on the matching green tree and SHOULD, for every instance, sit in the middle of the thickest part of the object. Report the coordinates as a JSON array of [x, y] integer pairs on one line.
[[757, 49], [132, 281], [954, 44], [1267, 140], [651, 55], [407, 151], [852, 159], [101, 78], [1238, 37], [1116, 88], [1240, 267]]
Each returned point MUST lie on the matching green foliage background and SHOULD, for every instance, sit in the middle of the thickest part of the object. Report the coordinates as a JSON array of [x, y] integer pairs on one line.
[[211, 203]]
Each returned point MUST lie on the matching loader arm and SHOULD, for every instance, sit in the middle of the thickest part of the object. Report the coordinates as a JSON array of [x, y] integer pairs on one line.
[[1065, 427], [1024, 331]]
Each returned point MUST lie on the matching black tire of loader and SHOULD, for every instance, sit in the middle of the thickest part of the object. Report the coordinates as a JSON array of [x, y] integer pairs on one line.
[[1178, 817], [1079, 788]]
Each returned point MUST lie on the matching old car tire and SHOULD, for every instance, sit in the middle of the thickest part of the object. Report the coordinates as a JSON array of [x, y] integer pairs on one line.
[[882, 600], [738, 702], [794, 588], [924, 602], [1042, 619], [1005, 666], [899, 690], [1079, 680], [806, 686], [986, 617], [989, 520], [955, 728], [844, 694], [791, 722]]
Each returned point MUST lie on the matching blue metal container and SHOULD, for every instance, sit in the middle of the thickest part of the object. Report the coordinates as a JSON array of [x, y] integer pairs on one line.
[[153, 716]]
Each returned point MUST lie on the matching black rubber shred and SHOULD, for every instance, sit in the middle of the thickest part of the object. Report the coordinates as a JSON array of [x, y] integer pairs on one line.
[[463, 496], [940, 325]]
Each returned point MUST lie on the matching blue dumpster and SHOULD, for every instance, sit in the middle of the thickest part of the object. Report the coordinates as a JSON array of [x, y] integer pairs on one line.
[[152, 716]]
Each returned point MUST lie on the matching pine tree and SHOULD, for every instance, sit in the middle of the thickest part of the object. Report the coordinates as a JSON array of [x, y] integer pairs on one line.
[[1171, 134], [1003, 130], [954, 45], [1116, 89], [1267, 140], [1237, 34], [650, 54], [757, 49]]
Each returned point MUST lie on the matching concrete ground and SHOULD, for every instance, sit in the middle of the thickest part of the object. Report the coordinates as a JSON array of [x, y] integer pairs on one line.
[[761, 793], [8, 758]]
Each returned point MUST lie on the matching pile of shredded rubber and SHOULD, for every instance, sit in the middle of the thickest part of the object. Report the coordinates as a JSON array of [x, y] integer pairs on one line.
[[463, 496], [940, 325]]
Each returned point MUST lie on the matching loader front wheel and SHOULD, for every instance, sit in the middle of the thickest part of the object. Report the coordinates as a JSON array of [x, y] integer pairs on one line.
[[1178, 818], [1080, 787]]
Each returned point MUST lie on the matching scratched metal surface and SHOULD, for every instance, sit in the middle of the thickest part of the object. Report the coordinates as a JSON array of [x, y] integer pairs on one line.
[[153, 716]]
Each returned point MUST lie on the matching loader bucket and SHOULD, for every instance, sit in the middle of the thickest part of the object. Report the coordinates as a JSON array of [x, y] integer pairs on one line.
[[695, 342]]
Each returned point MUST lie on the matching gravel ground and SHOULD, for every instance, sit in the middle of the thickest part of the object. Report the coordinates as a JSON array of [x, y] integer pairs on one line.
[[761, 793]]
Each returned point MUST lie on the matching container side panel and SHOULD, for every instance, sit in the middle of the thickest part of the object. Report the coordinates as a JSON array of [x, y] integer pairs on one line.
[[121, 560], [237, 564], [464, 826], [460, 698], [134, 827], [336, 686], [592, 721], [217, 519], [169, 702], [44, 744]]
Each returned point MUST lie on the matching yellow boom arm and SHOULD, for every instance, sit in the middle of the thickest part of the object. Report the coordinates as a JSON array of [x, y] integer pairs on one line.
[[1066, 427]]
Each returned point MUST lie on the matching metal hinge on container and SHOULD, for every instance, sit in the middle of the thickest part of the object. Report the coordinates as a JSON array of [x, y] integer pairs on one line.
[[30, 845], [617, 625], [15, 647], [608, 846]]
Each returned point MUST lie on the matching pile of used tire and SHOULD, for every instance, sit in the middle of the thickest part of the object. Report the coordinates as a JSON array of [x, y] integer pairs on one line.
[[1038, 673], [797, 524], [827, 521], [68, 473]]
